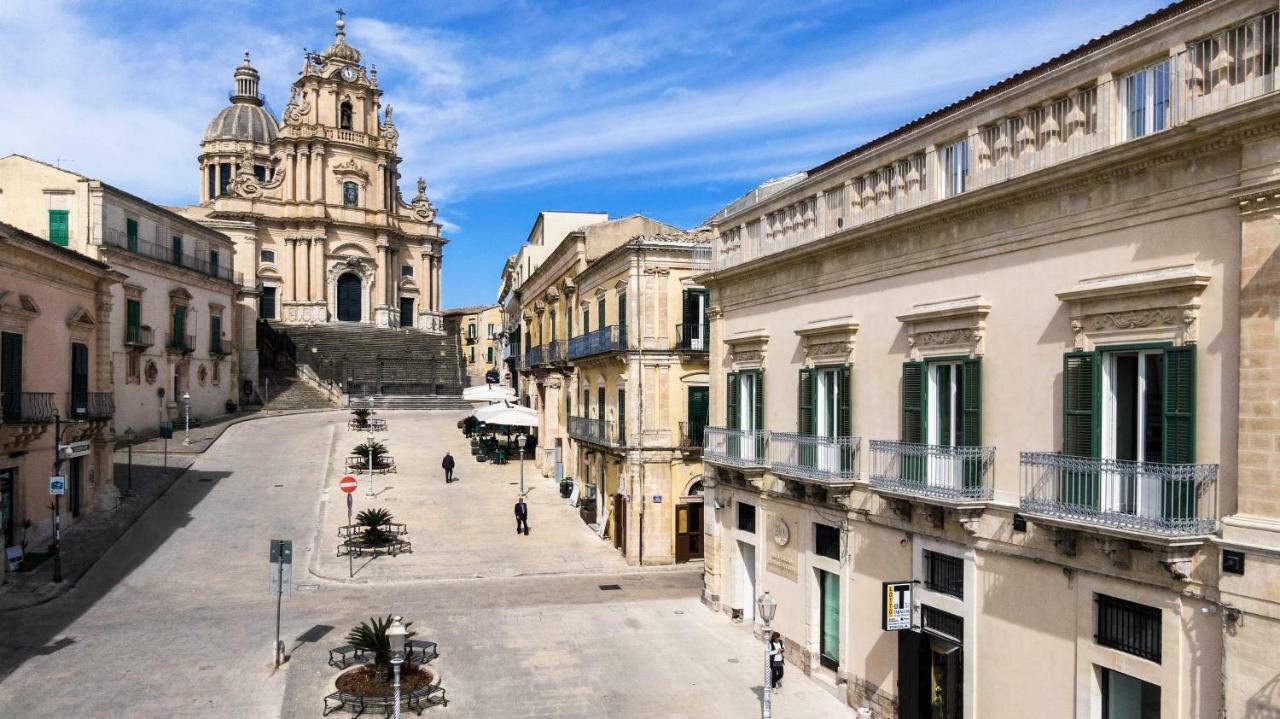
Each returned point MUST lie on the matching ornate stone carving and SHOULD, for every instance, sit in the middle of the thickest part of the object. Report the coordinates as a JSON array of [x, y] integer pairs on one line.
[[754, 355], [969, 335], [1135, 318], [421, 206], [830, 348], [295, 112], [247, 184], [351, 169]]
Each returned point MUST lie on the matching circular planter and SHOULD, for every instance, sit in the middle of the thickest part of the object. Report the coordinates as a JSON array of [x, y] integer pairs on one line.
[[361, 681]]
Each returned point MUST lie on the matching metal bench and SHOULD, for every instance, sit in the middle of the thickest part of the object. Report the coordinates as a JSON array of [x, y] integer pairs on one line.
[[347, 531], [346, 701], [345, 656], [393, 548], [424, 697], [421, 651]]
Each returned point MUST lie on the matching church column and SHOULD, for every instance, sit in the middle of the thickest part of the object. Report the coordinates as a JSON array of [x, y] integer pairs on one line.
[[290, 170], [317, 268], [306, 266], [291, 248], [439, 259], [318, 165], [424, 273], [379, 184], [391, 278]]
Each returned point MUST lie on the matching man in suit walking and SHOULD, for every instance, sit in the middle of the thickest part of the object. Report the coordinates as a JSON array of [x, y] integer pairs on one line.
[[447, 464], [522, 516]]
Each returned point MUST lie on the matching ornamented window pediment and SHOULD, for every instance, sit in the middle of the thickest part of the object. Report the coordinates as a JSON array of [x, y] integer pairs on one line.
[[1158, 305], [954, 326], [180, 296], [81, 320], [747, 349], [16, 315], [349, 169], [828, 341]]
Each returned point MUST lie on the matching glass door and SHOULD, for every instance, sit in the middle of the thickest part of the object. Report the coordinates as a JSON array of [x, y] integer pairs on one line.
[[826, 415], [747, 412], [829, 619], [946, 397], [1132, 430]]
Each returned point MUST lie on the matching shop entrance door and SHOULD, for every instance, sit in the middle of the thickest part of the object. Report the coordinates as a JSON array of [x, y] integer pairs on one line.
[[688, 531], [620, 523], [930, 670]]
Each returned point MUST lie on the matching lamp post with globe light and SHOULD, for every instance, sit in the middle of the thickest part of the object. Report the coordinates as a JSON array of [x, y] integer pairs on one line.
[[396, 635], [768, 608], [369, 443], [521, 439], [186, 400]]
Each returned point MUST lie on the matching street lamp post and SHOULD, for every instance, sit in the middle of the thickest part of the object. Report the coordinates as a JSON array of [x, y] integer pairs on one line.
[[57, 498], [128, 438], [521, 439], [369, 444], [767, 608], [186, 400], [396, 634]]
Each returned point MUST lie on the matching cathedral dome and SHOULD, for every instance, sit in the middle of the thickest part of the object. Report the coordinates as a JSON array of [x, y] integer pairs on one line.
[[246, 118], [242, 122]]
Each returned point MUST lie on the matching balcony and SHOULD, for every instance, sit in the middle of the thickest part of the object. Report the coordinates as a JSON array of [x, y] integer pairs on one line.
[[165, 253], [1147, 498], [138, 337], [185, 344], [556, 352], [471, 339], [691, 436], [219, 347], [693, 338], [736, 447], [90, 405], [825, 460], [1231, 67], [602, 341], [28, 407], [532, 357], [596, 431], [950, 475]]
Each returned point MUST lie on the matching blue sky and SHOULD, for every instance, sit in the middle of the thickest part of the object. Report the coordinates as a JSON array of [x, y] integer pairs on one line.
[[670, 109]]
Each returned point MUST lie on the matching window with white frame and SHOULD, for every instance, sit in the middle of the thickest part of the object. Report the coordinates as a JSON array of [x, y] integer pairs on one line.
[[1146, 95], [955, 167], [267, 256]]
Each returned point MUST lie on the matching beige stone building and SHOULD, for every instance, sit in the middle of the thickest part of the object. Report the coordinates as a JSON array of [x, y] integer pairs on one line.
[[479, 332], [55, 378], [313, 200], [175, 314], [635, 461], [1013, 357]]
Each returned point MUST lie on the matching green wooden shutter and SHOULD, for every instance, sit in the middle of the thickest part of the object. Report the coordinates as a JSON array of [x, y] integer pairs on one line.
[[58, 227], [131, 234], [79, 379], [844, 409], [133, 315], [213, 263], [759, 399], [1081, 403], [177, 249], [913, 397], [1180, 405], [600, 311], [805, 404], [731, 400], [622, 310], [622, 416], [971, 403], [179, 325], [689, 315], [215, 331]]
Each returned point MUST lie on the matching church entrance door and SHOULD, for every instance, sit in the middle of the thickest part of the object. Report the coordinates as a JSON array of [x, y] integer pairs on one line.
[[349, 297]]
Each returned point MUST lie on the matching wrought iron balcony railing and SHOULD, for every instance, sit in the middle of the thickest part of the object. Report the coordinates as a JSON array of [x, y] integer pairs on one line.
[[597, 431], [219, 346], [607, 339], [165, 253], [532, 357], [693, 337], [735, 447], [1175, 500], [692, 435], [829, 460], [141, 337], [28, 407], [954, 474], [556, 353], [181, 343], [90, 405]]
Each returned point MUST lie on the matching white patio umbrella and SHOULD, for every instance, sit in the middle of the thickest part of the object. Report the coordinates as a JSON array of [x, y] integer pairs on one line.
[[507, 414], [488, 394]]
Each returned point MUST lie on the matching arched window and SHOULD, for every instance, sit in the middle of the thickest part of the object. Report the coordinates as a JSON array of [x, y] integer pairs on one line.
[[350, 194], [344, 116]]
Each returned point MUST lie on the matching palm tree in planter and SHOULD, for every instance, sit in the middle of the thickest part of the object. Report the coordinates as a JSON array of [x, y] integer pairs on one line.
[[378, 450], [373, 521], [361, 415], [371, 638]]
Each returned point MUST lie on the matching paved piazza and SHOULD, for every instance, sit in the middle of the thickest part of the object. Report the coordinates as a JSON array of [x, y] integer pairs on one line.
[[176, 621]]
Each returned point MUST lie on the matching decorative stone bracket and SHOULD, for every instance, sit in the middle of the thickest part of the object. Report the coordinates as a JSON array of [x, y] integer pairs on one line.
[[1159, 305], [955, 326], [828, 341]]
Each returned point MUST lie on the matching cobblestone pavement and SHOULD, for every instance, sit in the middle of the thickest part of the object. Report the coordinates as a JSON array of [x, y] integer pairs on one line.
[[175, 620]]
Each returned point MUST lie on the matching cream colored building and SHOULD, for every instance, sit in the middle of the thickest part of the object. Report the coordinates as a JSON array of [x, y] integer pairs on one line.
[[55, 377], [479, 333], [579, 363], [1012, 356], [313, 201], [174, 314]]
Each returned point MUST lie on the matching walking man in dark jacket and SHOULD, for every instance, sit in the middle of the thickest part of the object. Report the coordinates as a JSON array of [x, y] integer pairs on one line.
[[522, 516], [448, 467]]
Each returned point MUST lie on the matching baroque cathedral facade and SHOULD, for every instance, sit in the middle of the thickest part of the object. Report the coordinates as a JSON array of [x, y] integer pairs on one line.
[[312, 201]]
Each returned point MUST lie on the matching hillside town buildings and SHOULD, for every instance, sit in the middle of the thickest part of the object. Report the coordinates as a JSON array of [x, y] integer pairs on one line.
[[1009, 369]]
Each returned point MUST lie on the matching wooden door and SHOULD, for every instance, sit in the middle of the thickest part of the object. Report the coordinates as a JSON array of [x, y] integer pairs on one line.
[[688, 531], [620, 523]]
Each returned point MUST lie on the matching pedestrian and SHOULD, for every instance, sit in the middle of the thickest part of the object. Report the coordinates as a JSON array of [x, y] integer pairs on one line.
[[522, 516], [776, 652], [448, 467]]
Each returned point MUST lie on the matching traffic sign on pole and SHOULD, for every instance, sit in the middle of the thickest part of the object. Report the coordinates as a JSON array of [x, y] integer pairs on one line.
[[348, 484]]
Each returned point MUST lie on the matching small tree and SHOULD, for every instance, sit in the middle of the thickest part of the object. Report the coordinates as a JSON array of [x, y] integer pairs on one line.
[[379, 451], [362, 416], [371, 637], [373, 521]]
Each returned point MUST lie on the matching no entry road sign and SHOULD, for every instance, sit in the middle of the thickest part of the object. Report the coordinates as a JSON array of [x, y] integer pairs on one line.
[[348, 484]]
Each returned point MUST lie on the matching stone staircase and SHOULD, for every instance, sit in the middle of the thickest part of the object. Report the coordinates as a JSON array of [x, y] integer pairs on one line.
[[286, 391], [391, 368]]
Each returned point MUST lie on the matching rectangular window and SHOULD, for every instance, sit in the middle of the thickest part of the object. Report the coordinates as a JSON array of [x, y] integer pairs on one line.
[[586, 319], [944, 573], [176, 245], [267, 304], [1147, 100], [472, 358], [747, 517], [406, 270], [132, 320], [11, 374], [213, 263], [58, 227], [224, 178], [622, 416], [213, 181], [600, 311], [133, 368], [826, 541], [471, 330], [260, 173], [943, 623], [489, 355], [215, 332], [955, 167], [79, 379], [1126, 697], [267, 256], [622, 310], [131, 234], [1128, 627]]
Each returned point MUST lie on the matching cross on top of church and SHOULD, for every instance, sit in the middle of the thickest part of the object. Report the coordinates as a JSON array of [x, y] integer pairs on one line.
[[341, 13]]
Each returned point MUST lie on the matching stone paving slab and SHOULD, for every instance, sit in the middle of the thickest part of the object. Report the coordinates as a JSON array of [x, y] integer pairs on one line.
[[465, 529]]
